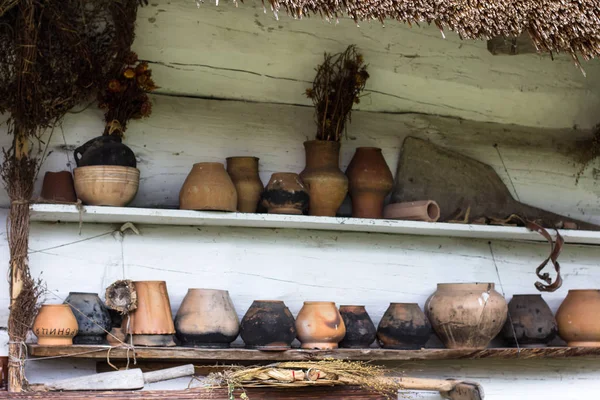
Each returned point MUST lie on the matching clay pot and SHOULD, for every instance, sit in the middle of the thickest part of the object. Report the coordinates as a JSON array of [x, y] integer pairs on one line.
[[360, 330], [466, 315], [403, 326], [106, 185], [424, 210], [55, 325], [105, 150], [268, 325], [531, 322], [117, 336], [59, 187], [285, 194], [207, 318], [151, 323], [370, 181], [208, 187], [326, 184], [577, 317], [320, 325], [244, 174], [92, 316]]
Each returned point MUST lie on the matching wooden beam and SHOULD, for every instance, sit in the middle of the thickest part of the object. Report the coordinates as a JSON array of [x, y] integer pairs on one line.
[[512, 45]]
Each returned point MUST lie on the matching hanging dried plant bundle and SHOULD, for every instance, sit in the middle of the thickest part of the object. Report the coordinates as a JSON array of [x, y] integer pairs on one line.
[[336, 88]]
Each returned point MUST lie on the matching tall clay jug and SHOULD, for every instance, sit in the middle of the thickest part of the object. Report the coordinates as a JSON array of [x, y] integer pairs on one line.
[[578, 318], [208, 187], [320, 325], [326, 184], [151, 323], [244, 174]]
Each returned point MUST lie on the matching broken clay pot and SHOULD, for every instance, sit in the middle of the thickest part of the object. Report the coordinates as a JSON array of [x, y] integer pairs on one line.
[[403, 326], [320, 325], [268, 325], [360, 330]]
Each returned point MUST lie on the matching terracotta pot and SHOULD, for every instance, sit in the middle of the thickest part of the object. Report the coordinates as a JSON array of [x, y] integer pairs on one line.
[[326, 184], [59, 187], [55, 325], [207, 318], [466, 315], [244, 174], [530, 323], [285, 194], [370, 181], [424, 210], [578, 318], [105, 150], [208, 187], [151, 323], [320, 325], [360, 330], [92, 316], [268, 325], [403, 326], [117, 336], [106, 185]]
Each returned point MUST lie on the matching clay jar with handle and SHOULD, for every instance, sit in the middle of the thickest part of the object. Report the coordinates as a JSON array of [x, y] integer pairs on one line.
[[151, 323], [530, 323], [370, 181], [403, 326], [55, 325], [466, 315], [320, 325], [208, 187], [244, 174], [59, 187], [326, 183], [207, 318], [285, 194], [360, 330], [578, 318], [105, 150], [268, 325], [92, 317]]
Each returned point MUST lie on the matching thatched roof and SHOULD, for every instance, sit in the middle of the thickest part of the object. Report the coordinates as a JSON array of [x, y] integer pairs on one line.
[[571, 26]]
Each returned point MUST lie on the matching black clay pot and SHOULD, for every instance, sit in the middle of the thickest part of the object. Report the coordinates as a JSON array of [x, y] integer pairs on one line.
[[268, 325], [403, 326], [360, 330], [533, 324], [105, 150], [92, 317]]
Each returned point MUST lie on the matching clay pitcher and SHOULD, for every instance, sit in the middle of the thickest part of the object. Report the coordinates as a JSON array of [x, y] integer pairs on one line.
[[403, 326], [55, 325], [93, 319], [244, 174], [320, 325], [466, 315], [370, 181], [268, 325], [59, 187], [326, 184], [531, 322], [208, 187], [151, 323], [207, 318], [285, 194], [578, 318], [360, 330], [105, 150]]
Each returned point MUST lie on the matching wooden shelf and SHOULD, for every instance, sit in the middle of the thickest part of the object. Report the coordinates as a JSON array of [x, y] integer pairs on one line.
[[241, 354], [91, 214]]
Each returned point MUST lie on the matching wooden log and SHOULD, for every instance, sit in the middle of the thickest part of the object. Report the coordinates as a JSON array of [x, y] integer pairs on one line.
[[511, 45]]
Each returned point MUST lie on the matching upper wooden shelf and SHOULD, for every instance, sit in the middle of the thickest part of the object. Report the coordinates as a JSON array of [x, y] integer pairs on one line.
[[92, 214]]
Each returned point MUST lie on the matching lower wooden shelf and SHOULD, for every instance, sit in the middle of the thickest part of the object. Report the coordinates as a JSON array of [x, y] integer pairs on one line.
[[242, 354]]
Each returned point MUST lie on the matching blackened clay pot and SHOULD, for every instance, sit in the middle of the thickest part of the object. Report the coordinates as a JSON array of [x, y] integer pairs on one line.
[[403, 326], [285, 194], [360, 330], [268, 325], [207, 319], [92, 317], [531, 322], [105, 150]]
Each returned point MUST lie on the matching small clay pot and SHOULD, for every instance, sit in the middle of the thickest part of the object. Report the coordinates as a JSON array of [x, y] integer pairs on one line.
[[320, 325], [117, 336], [370, 181], [59, 187], [93, 319], [530, 323], [268, 325], [285, 194], [55, 325], [207, 319], [151, 323], [403, 326], [360, 330], [244, 174], [106, 185], [208, 187], [577, 317], [424, 210]]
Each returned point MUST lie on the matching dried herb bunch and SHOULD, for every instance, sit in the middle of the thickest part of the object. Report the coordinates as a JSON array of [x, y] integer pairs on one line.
[[336, 88], [125, 97]]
